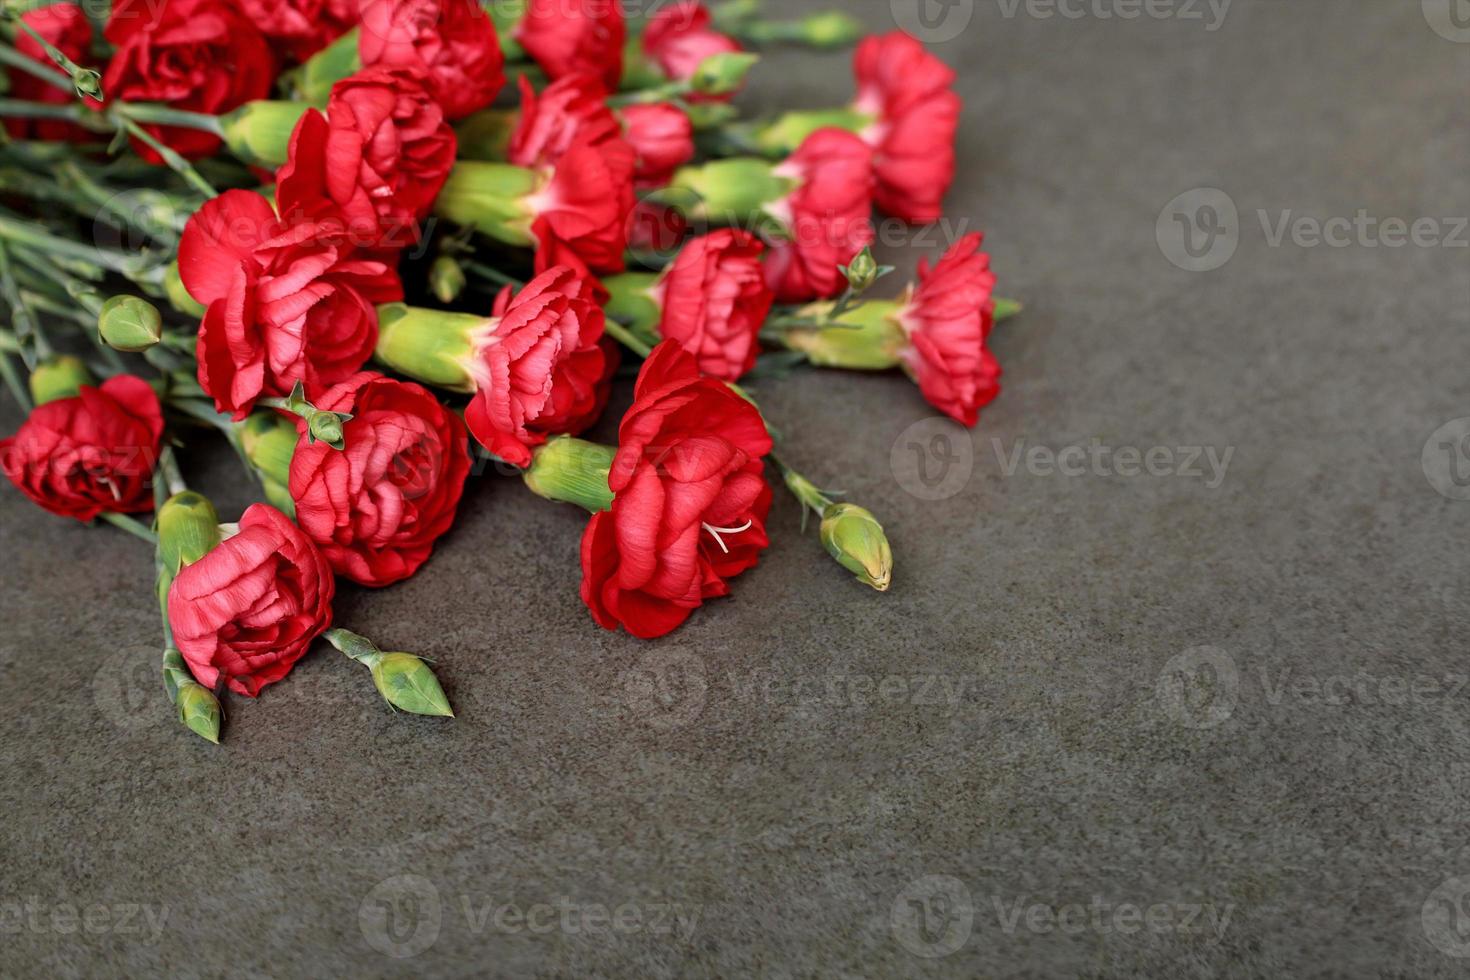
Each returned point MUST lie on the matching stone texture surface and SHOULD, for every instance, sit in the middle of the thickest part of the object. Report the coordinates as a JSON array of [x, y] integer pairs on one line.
[[800, 765]]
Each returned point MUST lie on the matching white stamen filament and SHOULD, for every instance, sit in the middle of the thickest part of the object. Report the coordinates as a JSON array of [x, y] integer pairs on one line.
[[715, 532]]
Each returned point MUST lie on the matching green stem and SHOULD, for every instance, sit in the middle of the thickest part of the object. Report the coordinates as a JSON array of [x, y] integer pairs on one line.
[[13, 58], [27, 327], [624, 336], [166, 115], [71, 68], [168, 468], [69, 112], [802, 489], [175, 162], [27, 234], [492, 274], [14, 383], [130, 525]]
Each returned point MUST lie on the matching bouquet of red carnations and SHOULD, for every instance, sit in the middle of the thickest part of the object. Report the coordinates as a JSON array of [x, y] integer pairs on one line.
[[378, 244]]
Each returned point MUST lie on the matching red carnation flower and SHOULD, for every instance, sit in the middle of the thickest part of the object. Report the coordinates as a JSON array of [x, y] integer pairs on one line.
[[582, 212], [568, 37], [199, 55], [947, 318], [714, 300], [569, 109], [66, 26], [689, 505], [452, 42], [907, 90], [662, 139], [301, 27], [249, 609], [94, 453], [376, 507], [286, 302], [541, 368], [678, 38], [826, 217], [376, 160]]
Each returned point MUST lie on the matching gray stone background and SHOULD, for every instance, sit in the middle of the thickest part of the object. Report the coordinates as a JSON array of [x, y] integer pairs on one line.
[[1103, 725]]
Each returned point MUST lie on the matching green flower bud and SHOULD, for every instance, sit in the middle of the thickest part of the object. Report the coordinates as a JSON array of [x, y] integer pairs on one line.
[[854, 537], [259, 132], [862, 271], [88, 83], [866, 338], [831, 29], [723, 73], [572, 471], [432, 346], [60, 377], [1006, 308], [188, 529], [492, 198], [312, 82], [199, 710], [407, 683], [178, 296], [446, 279], [129, 323], [326, 426]]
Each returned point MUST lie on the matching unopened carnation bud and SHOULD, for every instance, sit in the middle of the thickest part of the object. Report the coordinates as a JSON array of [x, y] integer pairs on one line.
[[129, 323], [60, 377], [326, 426], [88, 83], [446, 279], [862, 271], [830, 29], [199, 709], [723, 73], [407, 683], [188, 529], [269, 442], [854, 537]]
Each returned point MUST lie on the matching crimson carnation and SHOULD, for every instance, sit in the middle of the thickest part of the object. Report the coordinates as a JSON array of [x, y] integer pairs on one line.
[[90, 454], [541, 368], [947, 319], [907, 91], [679, 37], [287, 301], [376, 507], [569, 109], [568, 37], [827, 218], [452, 42], [376, 160], [714, 300], [662, 139], [248, 610], [66, 26], [301, 27], [689, 505], [197, 55]]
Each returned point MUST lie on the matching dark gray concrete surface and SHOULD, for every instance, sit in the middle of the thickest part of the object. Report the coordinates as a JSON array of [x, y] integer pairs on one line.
[[1024, 728]]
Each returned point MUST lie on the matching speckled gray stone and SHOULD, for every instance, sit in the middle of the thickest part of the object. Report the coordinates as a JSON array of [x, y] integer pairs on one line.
[[806, 769]]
